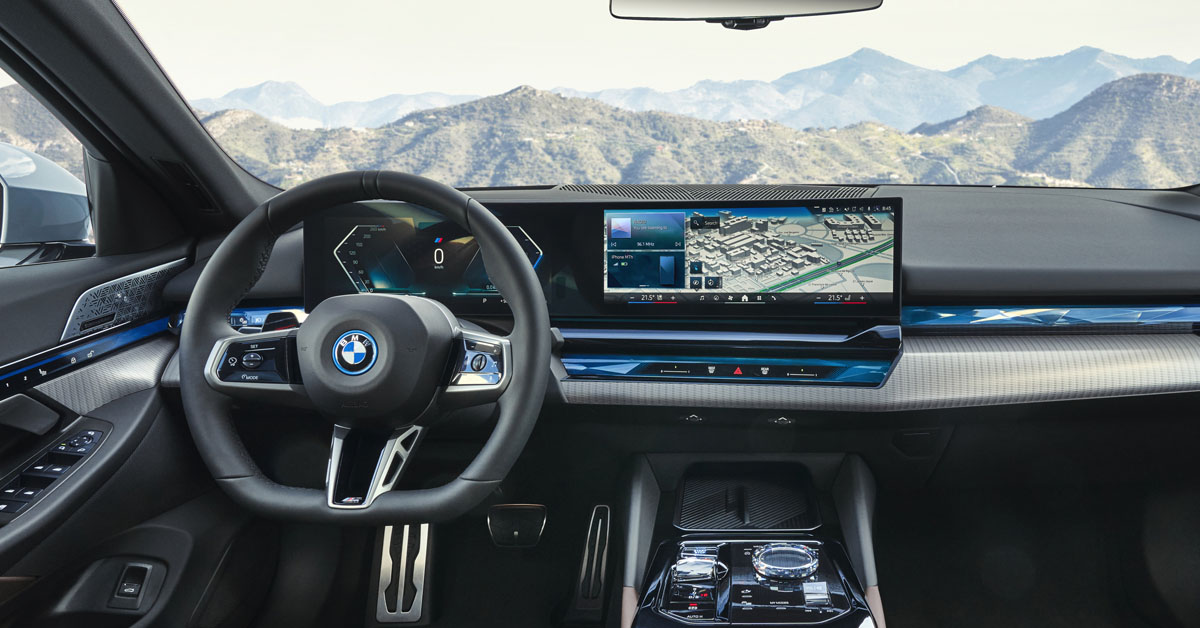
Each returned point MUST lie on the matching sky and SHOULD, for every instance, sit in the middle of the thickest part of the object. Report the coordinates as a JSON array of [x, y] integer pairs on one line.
[[363, 49]]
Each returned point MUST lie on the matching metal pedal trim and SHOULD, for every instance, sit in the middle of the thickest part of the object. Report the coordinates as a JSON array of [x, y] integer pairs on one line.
[[387, 571]]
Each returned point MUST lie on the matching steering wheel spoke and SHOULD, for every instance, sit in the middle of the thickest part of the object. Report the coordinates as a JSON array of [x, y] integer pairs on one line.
[[257, 367], [363, 466], [481, 372]]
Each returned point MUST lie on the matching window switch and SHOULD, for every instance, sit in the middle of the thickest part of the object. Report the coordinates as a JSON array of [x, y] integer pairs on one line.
[[11, 507], [26, 494], [129, 589]]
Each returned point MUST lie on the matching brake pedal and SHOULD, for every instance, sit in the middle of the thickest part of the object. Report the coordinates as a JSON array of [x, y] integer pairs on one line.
[[516, 525]]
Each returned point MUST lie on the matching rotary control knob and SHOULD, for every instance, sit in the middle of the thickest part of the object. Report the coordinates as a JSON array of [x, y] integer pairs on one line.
[[784, 561]]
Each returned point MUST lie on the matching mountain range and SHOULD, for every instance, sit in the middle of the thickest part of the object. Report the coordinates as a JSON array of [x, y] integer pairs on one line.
[[866, 85], [289, 104], [1137, 131]]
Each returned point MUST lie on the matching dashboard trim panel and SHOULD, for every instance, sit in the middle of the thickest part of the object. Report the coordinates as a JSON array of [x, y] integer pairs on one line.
[[1056, 316], [951, 372]]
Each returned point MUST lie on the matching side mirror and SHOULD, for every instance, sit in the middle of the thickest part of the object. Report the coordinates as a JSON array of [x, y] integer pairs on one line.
[[44, 213], [736, 14]]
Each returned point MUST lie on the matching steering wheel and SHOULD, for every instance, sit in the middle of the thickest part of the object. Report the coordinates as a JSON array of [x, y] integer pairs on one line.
[[382, 368]]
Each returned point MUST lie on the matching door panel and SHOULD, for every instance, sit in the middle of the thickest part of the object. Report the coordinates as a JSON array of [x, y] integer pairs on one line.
[[136, 492], [40, 297]]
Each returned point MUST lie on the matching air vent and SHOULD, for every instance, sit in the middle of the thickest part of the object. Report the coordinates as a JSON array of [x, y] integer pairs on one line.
[[642, 192]]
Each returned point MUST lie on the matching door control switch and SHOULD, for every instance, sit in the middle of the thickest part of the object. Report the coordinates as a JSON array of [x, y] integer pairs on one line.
[[130, 586]]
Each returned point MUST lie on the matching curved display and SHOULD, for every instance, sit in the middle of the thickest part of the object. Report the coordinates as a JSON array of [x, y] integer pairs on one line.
[[419, 254], [827, 258], [835, 253]]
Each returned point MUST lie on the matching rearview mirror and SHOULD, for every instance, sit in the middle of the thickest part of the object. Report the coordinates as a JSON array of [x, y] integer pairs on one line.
[[739, 14]]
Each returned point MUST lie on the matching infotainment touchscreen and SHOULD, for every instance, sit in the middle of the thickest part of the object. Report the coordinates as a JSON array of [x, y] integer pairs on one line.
[[836, 254]]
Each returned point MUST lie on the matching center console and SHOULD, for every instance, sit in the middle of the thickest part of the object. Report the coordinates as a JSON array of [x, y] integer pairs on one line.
[[751, 580], [763, 555]]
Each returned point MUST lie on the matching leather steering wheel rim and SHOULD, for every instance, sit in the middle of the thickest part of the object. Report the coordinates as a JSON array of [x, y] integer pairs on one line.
[[237, 265]]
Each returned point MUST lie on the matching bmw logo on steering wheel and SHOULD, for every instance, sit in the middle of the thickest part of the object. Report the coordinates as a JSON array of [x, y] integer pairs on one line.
[[354, 352]]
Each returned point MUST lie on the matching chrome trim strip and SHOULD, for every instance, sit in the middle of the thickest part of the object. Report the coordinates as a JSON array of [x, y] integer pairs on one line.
[[379, 482], [887, 331]]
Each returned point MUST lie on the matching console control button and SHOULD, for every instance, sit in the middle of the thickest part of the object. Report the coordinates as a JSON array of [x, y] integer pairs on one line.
[[816, 593], [691, 593], [698, 550], [784, 561], [696, 569], [693, 611]]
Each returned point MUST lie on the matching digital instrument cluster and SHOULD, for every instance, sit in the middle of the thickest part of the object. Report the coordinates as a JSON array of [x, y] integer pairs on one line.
[[400, 249]]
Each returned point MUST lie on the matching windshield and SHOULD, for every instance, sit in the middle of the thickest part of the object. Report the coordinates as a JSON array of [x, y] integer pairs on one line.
[[1095, 93]]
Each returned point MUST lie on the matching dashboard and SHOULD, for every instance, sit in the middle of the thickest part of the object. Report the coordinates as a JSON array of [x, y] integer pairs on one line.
[[829, 259], [1003, 291]]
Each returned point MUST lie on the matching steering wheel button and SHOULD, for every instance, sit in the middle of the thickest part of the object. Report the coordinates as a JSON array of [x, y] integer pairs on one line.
[[479, 362], [251, 360]]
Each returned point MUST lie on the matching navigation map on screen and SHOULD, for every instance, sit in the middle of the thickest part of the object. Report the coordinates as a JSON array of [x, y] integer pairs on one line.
[[839, 254]]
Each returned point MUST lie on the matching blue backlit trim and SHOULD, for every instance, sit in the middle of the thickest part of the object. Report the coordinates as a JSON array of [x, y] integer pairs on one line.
[[856, 372], [1048, 316], [25, 374], [257, 316]]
